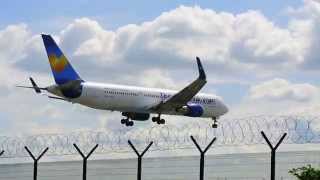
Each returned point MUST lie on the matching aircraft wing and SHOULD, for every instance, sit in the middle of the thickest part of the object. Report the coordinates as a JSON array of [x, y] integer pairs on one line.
[[185, 95]]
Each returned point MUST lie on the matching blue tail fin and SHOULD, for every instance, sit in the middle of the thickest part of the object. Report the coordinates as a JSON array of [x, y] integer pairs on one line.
[[62, 70]]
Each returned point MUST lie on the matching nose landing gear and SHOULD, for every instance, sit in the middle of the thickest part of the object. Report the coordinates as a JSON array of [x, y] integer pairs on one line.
[[158, 120], [215, 122]]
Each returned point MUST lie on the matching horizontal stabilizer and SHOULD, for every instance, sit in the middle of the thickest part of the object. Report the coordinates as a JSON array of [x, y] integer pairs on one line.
[[35, 86], [58, 98]]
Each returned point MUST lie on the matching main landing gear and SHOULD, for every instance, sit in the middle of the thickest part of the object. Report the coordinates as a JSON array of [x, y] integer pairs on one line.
[[127, 122], [158, 120], [215, 122]]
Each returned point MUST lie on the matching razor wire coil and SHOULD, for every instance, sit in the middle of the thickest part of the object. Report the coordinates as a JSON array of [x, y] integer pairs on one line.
[[231, 132]]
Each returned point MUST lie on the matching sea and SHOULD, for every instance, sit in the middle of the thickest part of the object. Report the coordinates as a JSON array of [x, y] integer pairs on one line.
[[241, 166]]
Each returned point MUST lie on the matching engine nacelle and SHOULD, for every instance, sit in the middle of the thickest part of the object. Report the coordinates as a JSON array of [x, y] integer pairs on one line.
[[136, 116], [191, 110]]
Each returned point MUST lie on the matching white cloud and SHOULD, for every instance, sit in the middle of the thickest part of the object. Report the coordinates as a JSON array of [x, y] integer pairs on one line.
[[13, 42], [224, 39], [87, 38], [306, 22], [278, 97], [260, 41], [281, 89], [157, 78], [231, 44], [235, 48]]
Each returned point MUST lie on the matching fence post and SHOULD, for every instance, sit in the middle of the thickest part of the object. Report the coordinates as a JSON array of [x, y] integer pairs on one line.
[[85, 159], [35, 161], [202, 154], [139, 170], [273, 153]]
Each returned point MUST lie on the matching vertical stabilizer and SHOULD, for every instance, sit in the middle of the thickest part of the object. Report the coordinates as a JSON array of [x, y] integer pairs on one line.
[[62, 70]]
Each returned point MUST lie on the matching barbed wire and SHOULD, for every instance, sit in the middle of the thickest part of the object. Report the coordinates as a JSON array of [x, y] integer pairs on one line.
[[231, 132]]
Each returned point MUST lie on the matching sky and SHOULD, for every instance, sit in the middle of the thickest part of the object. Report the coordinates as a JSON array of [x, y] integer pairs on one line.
[[261, 57], [118, 13]]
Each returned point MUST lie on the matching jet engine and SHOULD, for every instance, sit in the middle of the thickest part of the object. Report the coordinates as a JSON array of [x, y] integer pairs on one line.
[[191, 110]]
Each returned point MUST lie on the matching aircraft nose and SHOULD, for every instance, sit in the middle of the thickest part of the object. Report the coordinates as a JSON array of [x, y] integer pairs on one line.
[[224, 108]]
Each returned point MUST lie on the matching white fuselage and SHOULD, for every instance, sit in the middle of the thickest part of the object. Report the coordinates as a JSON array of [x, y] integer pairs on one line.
[[140, 99]]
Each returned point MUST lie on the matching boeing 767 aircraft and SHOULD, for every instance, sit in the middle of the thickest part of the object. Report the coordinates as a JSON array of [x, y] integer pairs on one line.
[[135, 103]]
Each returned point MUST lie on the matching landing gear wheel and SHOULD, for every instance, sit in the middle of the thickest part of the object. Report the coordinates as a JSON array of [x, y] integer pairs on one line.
[[123, 121], [154, 119], [161, 121], [158, 120], [214, 126], [129, 123]]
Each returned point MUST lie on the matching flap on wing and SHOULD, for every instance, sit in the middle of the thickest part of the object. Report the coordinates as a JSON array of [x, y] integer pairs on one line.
[[185, 95]]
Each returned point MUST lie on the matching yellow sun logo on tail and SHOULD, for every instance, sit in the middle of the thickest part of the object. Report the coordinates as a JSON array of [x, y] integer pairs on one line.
[[58, 64]]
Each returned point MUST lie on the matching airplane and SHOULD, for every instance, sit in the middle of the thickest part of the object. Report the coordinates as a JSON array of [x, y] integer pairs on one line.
[[135, 103]]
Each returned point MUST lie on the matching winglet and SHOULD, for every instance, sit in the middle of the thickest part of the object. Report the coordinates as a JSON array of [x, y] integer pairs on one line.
[[202, 74]]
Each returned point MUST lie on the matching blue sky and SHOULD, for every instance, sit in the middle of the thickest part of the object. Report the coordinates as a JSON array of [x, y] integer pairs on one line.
[[257, 54], [117, 13]]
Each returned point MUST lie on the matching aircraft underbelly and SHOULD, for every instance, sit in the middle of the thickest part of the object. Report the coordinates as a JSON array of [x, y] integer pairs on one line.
[[133, 104]]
